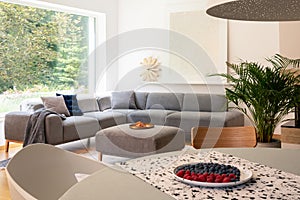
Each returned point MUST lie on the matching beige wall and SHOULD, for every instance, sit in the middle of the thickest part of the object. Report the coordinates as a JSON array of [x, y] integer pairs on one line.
[[252, 41], [289, 40]]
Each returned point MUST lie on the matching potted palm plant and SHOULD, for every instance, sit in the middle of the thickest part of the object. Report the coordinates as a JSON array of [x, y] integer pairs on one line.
[[264, 94]]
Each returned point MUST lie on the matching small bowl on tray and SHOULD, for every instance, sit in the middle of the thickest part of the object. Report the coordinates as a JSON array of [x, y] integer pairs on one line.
[[141, 125]]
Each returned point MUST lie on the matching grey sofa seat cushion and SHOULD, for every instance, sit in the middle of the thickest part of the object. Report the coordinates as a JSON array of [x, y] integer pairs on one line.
[[79, 127], [108, 118], [141, 99], [153, 116], [188, 119], [89, 104], [123, 100], [166, 101], [204, 102], [123, 111]]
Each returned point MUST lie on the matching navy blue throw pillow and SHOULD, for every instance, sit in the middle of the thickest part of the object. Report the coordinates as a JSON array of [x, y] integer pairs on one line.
[[72, 104]]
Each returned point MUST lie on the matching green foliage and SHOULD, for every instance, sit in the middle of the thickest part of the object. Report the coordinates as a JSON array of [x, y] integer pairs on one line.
[[281, 61], [41, 47], [265, 95]]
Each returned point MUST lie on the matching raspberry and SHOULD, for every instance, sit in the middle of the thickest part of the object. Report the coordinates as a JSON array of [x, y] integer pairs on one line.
[[226, 180], [180, 173], [195, 178], [205, 174], [209, 179], [219, 179], [232, 176], [202, 178]]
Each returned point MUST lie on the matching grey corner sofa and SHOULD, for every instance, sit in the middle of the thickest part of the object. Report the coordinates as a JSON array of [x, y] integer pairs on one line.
[[171, 109]]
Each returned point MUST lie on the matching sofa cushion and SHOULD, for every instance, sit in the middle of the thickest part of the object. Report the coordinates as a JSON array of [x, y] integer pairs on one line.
[[108, 118], [164, 101], [79, 127], [141, 99], [104, 103], [88, 104], [204, 102], [123, 100], [72, 104], [153, 116], [56, 104]]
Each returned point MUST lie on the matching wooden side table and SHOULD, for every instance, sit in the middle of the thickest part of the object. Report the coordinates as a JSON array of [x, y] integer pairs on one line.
[[290, 135]]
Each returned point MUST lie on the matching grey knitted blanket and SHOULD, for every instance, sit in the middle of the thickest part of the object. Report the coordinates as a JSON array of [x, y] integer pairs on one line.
[[35, 130]]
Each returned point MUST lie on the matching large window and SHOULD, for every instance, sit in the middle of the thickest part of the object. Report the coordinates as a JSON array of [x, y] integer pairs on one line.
[[43, 51]]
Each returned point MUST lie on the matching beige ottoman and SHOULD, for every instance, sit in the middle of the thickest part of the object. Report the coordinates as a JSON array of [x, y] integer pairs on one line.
[[123, 141]]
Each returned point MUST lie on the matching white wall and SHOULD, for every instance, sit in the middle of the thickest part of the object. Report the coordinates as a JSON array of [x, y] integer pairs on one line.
[[140, 14]]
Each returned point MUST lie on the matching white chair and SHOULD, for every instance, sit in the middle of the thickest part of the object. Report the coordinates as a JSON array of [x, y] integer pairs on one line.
[[43, 171], [46, 172]]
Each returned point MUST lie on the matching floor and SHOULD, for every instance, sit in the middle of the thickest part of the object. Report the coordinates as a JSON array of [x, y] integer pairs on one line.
[[4, 191]]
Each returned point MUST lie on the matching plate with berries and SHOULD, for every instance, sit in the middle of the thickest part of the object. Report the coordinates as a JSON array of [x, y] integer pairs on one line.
[[212, 174]]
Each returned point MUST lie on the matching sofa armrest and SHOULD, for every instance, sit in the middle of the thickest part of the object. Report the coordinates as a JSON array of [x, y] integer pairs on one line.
[[15, 125], [54, 129]]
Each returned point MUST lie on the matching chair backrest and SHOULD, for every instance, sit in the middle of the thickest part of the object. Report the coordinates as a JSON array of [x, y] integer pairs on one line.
[[213, 137]]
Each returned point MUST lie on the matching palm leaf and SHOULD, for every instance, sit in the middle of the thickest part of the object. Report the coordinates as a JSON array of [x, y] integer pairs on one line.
[[279, 60]]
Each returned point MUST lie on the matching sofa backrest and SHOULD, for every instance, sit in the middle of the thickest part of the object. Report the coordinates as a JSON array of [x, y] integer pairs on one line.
[[141, 99], [88, 104], [167, 101], [204, 102]]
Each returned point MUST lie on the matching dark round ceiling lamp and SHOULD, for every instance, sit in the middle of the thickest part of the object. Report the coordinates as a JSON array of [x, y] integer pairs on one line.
[[258, 10]]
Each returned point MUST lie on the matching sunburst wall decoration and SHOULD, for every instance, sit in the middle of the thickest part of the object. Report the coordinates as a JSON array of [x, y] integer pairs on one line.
[[151, 72]]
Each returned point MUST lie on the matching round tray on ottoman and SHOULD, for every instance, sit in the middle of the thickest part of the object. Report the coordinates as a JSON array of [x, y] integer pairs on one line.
[[124, 141]]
